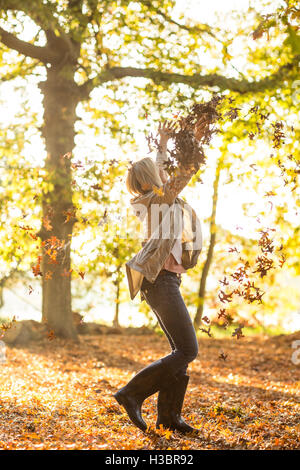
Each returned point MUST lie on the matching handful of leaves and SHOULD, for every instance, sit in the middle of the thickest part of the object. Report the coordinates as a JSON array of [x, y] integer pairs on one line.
[[190, 135]]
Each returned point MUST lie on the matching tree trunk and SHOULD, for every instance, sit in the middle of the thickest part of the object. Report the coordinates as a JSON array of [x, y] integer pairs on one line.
[[209, 258], [60, 101], [116, 318]]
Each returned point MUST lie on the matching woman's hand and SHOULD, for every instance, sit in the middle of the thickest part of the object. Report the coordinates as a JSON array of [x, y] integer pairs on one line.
[[165, 131]]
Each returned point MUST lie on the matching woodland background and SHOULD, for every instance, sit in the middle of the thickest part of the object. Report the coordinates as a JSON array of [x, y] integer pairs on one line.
[[83, 84]]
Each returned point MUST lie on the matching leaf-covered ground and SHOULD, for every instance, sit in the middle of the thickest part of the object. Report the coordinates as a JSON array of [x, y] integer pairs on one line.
[[58, 395]]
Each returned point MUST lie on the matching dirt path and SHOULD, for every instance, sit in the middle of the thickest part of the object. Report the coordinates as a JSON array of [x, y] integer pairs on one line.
[[58, 395]]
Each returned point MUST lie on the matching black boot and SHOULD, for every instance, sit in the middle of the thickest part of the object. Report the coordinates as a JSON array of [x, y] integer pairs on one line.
[[144, 384], [169, 405]]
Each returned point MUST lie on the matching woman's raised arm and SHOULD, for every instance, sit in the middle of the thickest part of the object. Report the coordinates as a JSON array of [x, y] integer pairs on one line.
[[176, 183]]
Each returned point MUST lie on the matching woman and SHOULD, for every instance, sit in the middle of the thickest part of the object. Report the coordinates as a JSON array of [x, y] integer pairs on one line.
[[169, 250]]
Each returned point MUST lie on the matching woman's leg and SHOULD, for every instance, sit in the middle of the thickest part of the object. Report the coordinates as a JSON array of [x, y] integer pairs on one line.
[[165, 299], [171, 398], [151, 297], [171, 342], [182, 370]]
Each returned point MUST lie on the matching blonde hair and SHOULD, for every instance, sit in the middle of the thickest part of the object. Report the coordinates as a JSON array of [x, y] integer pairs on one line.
[[140, 173]]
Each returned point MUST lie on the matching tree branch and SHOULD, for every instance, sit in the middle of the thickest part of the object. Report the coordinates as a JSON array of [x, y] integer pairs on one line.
[[39, 12], [43, 15], [203, 28], [36, 52], [195, 81]]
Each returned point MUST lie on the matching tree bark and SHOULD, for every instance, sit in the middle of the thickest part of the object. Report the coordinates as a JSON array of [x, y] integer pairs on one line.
[[60, 101], [116, 318], [117, 283], [209, 257]]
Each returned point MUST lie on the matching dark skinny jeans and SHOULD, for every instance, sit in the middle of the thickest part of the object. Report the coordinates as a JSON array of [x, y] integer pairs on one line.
[[164, 298]]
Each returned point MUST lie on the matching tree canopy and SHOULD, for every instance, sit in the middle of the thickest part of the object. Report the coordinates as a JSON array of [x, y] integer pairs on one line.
[[110, 70]]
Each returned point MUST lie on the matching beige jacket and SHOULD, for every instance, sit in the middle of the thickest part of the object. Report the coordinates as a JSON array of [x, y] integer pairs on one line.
[[168, 218]]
